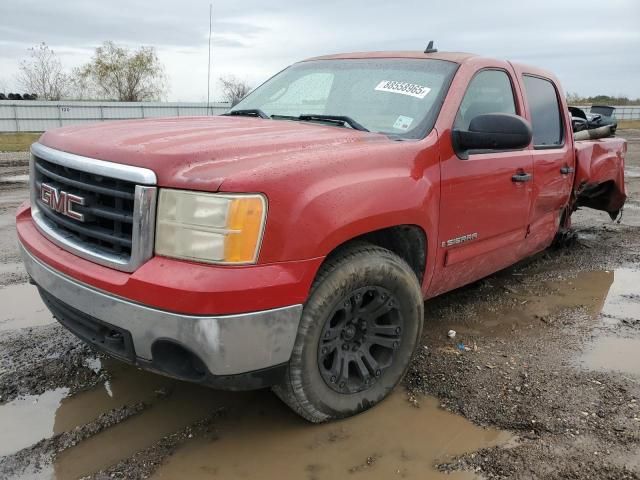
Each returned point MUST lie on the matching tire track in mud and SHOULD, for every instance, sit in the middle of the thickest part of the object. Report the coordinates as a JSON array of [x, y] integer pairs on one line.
[[36, 461]]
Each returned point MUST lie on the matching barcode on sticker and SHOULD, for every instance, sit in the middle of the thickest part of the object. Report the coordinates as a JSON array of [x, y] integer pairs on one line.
[[403, 88]]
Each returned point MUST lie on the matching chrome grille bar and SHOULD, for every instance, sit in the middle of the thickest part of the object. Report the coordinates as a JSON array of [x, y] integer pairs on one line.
[[118, 230]]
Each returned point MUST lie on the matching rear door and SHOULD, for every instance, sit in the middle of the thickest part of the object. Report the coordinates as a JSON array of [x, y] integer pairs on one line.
[[553, 158], [485, 199]]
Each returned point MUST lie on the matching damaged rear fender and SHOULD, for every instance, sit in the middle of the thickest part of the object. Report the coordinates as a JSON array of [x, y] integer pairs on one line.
[[599, 180]]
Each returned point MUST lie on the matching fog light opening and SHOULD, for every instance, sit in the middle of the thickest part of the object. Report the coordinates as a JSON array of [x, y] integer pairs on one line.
[[177, 361]]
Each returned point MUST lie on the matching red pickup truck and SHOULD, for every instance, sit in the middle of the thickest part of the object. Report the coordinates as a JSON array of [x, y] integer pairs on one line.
[[291, 242]]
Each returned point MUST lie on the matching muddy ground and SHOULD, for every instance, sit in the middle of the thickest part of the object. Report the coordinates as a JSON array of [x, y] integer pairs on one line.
[[542, 380]]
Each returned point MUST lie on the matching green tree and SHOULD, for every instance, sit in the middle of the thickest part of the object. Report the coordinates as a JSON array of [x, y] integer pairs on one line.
[[117, 73]]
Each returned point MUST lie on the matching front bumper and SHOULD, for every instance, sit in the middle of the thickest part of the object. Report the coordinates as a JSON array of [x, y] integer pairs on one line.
[[223, 345]]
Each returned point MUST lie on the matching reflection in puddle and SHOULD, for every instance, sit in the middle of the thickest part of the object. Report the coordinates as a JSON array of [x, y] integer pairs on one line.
[[621, 305], [28, 420], [394, 440], [614, 353], [22, 307], [623, 299]]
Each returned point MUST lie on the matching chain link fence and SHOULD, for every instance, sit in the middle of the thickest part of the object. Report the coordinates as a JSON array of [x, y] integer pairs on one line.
[[36, 116]]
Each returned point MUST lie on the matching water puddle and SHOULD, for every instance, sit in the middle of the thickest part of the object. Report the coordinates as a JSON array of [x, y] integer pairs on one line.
[[611, 297], [620, 308], [394, 440], [28, 420], [22, 307], [127, 386], [258, 437], [614, 353], [588, 290], [172, 405], [623, 298]]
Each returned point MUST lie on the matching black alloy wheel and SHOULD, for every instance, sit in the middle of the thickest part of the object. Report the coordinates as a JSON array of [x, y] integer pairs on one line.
[[359, 340]]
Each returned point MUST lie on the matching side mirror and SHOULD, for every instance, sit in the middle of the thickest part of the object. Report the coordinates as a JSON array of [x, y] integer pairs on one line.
[[492, 131]]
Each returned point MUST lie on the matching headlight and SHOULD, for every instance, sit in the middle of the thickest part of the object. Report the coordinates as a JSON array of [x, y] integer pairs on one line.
[[209, 227]]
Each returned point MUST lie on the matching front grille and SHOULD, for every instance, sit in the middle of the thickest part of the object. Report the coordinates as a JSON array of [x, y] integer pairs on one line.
[[108, 208], [110, 214]]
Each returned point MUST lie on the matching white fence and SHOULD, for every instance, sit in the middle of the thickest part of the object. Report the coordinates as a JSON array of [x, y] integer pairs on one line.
[[36, 116], [623, 112]]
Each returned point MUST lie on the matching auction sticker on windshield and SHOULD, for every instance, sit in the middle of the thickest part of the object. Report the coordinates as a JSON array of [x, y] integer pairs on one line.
[[403, 88]]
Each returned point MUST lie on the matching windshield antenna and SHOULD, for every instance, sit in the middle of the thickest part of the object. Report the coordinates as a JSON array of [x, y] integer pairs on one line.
[[430, 48]]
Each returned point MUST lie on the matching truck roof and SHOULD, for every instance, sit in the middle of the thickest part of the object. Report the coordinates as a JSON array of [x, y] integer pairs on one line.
[[456, 57]]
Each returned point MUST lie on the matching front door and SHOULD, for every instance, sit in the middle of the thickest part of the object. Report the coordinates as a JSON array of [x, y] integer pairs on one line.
[[485, 199]]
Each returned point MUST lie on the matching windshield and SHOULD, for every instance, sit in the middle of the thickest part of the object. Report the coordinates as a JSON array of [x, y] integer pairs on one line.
[[399, 97]]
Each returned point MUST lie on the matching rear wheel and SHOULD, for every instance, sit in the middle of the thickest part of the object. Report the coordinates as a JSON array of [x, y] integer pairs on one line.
[[357, 333]]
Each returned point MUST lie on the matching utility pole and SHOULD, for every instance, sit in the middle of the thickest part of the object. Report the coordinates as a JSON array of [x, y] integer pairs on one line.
[[209, 65]]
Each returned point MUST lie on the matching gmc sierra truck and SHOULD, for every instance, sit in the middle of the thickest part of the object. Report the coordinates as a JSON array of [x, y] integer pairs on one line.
[[291, 242]]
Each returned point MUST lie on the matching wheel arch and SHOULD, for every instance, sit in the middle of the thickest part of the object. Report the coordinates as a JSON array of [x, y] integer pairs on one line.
[[408, 241]]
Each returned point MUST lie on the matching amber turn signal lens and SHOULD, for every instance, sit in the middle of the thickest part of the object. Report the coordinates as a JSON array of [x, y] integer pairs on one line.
[[245, 223]]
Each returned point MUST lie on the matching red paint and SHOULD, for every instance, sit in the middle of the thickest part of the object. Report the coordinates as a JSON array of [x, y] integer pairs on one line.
[[327, 185]]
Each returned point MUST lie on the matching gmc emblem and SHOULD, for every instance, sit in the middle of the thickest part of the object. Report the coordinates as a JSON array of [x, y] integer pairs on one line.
[[61, 201]]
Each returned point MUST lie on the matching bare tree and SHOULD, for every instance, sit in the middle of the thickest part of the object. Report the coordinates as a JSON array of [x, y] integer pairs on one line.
[[118, 73], [234, 89], [42, 74]]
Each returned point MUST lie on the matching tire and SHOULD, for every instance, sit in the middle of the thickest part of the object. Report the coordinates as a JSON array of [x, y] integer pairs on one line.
[[351, 288]]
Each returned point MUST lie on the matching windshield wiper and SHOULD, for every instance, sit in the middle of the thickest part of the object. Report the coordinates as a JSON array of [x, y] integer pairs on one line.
[[275, 116], [341, 119], [249, 112]]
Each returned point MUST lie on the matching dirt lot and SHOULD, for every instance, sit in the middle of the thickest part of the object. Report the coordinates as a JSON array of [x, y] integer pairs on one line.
[[542, 380]]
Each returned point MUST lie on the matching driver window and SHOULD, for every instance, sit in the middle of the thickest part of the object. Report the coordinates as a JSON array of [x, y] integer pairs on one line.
[[490, 91]]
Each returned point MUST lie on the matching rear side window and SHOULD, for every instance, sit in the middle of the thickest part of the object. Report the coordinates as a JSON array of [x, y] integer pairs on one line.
[[489, 91], [545, 112]]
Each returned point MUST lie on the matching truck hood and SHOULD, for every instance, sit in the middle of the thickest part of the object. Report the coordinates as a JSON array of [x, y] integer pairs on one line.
[[200, 152]]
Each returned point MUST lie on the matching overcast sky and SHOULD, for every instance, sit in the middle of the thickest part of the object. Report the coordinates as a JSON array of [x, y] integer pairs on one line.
[[593, 46]]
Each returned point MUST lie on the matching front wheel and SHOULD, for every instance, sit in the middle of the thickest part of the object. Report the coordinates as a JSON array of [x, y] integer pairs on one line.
[[357, 333]]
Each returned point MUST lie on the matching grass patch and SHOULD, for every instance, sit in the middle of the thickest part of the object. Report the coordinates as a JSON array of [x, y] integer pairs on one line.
[[17, 142], [622, 124]]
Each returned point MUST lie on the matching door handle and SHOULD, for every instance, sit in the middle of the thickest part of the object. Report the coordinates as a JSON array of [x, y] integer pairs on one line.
[[567, 170], [521, 177]]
